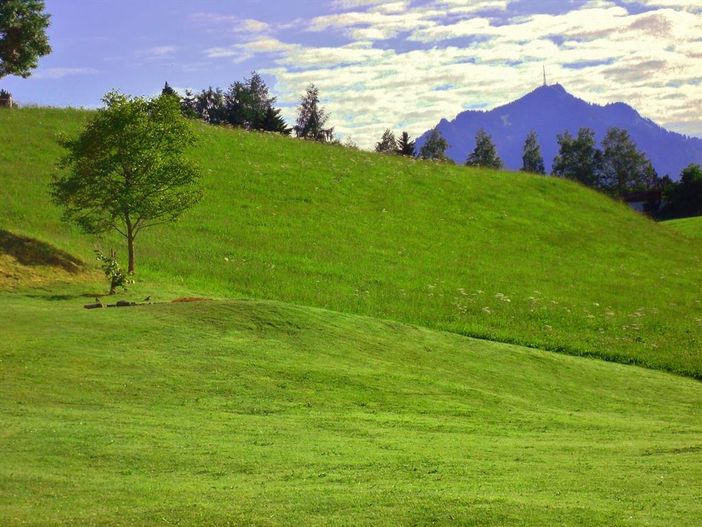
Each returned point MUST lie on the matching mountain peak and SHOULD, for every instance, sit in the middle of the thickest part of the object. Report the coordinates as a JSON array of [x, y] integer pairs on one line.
[[550, 110]]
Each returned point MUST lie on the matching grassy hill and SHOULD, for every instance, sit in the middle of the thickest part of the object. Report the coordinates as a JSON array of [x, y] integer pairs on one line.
[[517, 258], [691, 227], [261, 413]]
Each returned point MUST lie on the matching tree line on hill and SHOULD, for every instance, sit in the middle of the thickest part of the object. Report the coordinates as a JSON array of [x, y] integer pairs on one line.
[[617, 168], [248, 104]]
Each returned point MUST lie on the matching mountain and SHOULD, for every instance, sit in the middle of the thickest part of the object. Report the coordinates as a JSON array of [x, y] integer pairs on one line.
[[550, 110]]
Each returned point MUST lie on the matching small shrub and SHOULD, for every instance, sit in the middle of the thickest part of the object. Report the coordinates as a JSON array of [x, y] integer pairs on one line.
[[114, 273]]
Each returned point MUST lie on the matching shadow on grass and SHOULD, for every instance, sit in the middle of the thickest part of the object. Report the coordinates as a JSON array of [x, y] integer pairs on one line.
[[29, 251], [58, 298]]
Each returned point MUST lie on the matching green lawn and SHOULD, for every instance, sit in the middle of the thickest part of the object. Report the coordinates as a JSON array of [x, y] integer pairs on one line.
[[522, 259], [247, 412], [691, 227]]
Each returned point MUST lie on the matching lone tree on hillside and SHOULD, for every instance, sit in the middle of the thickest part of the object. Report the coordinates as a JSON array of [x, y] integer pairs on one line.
[[485, 153], [311, 118], [579, 158], [127, 171], [624, 168], [435, 147], [532, 160], [23, 39], [405, 146], [387, 144]]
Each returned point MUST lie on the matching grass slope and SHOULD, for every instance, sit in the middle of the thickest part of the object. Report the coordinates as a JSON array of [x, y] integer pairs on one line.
[[691, 227], [511, 257], [260, 413]]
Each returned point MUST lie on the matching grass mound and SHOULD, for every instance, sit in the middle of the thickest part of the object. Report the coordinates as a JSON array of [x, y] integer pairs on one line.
[[260, 413], [25, 260], [523, 259], [691, 227]]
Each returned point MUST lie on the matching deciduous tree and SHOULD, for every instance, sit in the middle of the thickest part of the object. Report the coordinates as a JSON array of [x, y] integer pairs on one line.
[[127, 170], [579, 158], [435, 147], [387, 143], [624, 168], [23, 39]]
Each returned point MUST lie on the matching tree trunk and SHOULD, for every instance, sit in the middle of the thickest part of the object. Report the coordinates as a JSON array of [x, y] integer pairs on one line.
[[130, 249]]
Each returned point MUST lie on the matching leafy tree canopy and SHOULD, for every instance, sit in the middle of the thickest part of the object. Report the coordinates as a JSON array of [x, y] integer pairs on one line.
[[435, 147], [485, 153], [624, 168], [387, 143], [579, 158], [23, 39], [127, 171]]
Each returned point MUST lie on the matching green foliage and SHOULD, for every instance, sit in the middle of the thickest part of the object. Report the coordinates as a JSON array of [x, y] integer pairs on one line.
[[387, 143], [435, 147], [23, 39], [485, 154], [114, 273], [532, 160], [127, 171], [312, 119], [579, 158], [624, 168], [384, 236], [405, 146], [684, 198]]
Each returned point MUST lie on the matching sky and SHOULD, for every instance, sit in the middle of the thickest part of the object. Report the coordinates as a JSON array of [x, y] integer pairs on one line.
[[399, 64]]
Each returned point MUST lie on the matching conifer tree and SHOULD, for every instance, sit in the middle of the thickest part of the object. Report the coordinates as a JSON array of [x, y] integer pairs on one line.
[[167, 90], [406, 147], [273, 122], [532, 160], [485, 153], [311, 118], [435, 147], [387, 144]]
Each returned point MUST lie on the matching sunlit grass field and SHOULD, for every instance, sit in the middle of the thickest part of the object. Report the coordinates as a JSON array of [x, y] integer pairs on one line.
[[328, 380], [260, 413], [692, 227], [523, 259]]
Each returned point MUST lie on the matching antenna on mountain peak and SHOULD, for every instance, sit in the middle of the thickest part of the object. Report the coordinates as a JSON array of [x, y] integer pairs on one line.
[[545, 83]]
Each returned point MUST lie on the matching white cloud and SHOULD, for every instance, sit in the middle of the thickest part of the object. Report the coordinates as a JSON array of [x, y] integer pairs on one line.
[[60, 73], [601, 52]]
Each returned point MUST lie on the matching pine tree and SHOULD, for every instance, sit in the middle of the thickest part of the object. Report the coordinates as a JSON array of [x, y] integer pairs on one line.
[[406, 147], [167, 90], [273, 122], [485, 153], [387, 144], [532, 160], [188, 105], [311, 119], [435, 147]]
